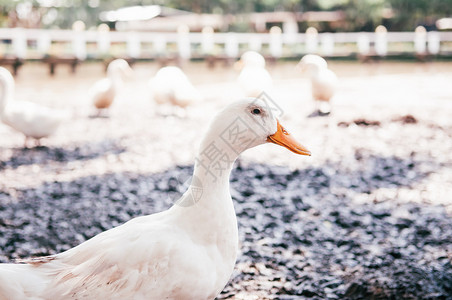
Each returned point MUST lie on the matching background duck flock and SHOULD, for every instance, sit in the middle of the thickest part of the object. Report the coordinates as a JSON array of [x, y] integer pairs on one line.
[[367, 215]]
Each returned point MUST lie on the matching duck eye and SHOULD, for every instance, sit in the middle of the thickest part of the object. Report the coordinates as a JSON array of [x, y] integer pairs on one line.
[[256, 111]]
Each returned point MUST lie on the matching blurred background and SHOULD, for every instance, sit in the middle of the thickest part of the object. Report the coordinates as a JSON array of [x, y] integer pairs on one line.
[[405, 28], [239, 16], [365, 85]]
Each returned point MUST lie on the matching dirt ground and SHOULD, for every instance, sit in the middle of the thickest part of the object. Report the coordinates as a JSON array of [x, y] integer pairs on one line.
[[373, 91], [367, 215]]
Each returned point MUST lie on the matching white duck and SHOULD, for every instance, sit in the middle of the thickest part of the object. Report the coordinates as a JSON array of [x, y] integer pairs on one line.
[[104, 91], [323, 81], [253, 78], [170, 85], [186, 252], [33, 120]]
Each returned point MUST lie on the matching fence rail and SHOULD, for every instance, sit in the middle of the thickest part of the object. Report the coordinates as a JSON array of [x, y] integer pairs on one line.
[[38, 43]]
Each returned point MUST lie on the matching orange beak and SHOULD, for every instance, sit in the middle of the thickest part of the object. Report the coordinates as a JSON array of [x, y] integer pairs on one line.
[[238, 65], [283, 138]]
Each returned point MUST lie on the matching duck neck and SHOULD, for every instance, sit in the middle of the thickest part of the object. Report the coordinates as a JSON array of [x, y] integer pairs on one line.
[[228, 135], [7, 91], [206, 208], [313, 71], [115, 76], [214, 163]]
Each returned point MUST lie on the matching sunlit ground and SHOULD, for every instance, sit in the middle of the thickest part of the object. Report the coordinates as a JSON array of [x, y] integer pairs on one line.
[[380, 161], [375, 91]]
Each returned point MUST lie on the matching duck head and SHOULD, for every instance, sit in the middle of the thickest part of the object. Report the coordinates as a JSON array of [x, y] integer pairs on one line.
[[120, 67], [251, 59], [248, 123], [6, 88], [311, 64]]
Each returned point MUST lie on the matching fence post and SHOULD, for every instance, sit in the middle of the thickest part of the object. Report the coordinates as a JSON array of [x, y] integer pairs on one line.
[[434, 42], [183, 41], [363, 44], [79, 41], [133, 45], [420, 40], [381, 41], [275, 42], [255, 43], [231, 45], [290, 30], [159, 44], [207, 40], [19, 43], [327, 40], [311, 40], [43, 42], [103, 39]]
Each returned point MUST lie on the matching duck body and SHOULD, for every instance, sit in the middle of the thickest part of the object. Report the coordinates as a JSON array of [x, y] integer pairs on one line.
[[150, 257], [170, 85], [324, 85], [33, 120], [104, 91], [186, 252], [253, 79], [324, 82]]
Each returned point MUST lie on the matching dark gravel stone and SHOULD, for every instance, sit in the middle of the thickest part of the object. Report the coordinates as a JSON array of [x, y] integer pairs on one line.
[[364, 226], [322, 248], [407, 119]]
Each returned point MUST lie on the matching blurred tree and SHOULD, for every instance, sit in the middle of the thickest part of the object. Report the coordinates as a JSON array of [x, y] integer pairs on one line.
[[396, 15], [410, 13], [364, 15], [360, 14]]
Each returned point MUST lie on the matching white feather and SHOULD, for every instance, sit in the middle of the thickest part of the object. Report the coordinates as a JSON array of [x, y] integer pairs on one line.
[[187, 252], [253, 79], [323, 81], [170, 85], [103, 92], [32, 119]]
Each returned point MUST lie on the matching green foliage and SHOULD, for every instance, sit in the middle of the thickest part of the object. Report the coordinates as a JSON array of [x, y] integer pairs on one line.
[[330, 4], [364, 14], [360, 14], [409, 13]]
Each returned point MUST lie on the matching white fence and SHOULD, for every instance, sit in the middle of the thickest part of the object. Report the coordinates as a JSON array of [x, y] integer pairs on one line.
[[37, 43]]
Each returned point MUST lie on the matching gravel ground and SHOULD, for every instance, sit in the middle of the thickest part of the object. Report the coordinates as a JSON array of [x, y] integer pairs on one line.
[[368, 216]]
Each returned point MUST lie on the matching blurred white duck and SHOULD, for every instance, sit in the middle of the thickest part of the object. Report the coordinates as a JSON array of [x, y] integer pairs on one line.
[[170, 85], [323, 81], [253, 78], [33, 120], [104, 91], [186, 252]]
